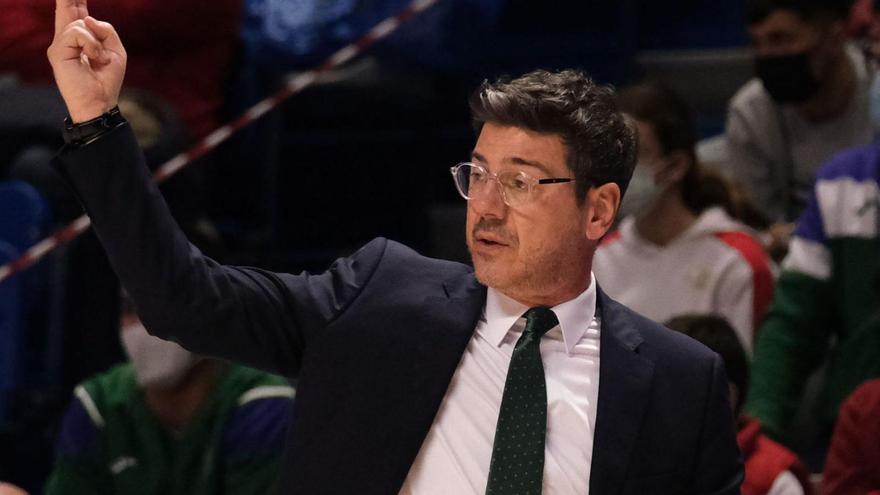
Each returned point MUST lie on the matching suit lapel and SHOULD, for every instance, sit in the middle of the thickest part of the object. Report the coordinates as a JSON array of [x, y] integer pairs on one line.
[[449, 322], [624, 382], [624, 378]]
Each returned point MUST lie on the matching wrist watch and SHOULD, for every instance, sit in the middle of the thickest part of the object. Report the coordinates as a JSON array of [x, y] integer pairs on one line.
[[86, 132]]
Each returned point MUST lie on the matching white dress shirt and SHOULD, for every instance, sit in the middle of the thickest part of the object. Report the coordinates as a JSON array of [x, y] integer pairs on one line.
[[455, 455]]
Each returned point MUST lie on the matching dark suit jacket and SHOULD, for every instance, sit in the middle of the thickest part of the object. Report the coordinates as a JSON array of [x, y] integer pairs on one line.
[[376, 339]]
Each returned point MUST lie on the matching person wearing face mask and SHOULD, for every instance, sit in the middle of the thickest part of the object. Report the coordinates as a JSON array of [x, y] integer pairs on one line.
[[808, 102], [171, 422], [676, 249], [826, 306]]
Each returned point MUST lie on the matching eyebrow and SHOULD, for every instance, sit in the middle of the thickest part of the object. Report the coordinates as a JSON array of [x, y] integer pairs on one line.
[[516, 161]]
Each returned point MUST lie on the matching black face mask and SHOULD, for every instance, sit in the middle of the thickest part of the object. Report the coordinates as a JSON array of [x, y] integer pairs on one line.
[[788, 78]]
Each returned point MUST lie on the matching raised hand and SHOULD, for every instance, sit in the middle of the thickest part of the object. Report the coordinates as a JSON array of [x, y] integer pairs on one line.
[[88, 61]]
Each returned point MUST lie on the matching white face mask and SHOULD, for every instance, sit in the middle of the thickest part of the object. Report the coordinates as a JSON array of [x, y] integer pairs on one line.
[[157, 363], [641, 194]]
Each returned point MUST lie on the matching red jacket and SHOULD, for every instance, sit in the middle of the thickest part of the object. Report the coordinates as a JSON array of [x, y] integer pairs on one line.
[[182, 50], [765, 460], [853, 463]]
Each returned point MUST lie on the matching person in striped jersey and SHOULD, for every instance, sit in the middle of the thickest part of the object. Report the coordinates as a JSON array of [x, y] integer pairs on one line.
[[826, 306], [171, 422]]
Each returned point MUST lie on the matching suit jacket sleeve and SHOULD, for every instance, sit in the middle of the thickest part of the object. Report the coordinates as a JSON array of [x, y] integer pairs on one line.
[[247, 315]]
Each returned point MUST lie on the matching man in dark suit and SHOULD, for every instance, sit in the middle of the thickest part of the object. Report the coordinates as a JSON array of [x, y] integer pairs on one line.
[[419, 375]]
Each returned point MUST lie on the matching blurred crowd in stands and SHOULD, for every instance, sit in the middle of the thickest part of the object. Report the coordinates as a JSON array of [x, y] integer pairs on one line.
[[755, 230]]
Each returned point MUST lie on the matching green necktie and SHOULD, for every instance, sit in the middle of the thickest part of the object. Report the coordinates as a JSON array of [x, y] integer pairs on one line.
[[517, 465]]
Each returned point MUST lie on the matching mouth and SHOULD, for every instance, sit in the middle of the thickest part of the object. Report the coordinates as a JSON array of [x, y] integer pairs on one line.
[[489, 241]]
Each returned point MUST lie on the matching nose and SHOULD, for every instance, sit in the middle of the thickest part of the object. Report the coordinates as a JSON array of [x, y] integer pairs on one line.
[[489, 202]]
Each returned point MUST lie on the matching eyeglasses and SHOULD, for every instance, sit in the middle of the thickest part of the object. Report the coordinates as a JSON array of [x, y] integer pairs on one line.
[[516, 188]]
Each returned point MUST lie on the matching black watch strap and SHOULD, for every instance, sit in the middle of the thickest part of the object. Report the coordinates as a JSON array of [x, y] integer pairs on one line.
[[86, 132]]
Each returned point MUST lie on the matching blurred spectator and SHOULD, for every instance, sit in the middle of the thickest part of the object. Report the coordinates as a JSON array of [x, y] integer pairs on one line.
[[809, 101], [90, 299], [853, 463], [827, 299], [675, 251], [183, 51], [771, 469], [88, 305], [171, 422]]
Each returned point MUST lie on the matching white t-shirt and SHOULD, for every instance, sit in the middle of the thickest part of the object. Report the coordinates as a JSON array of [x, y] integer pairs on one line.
[[713, 267]]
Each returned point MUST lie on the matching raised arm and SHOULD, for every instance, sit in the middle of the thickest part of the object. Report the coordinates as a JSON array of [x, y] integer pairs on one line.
[[246, 315]]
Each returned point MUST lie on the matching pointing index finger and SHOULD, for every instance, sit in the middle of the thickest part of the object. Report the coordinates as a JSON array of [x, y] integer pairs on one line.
[[67, 11]]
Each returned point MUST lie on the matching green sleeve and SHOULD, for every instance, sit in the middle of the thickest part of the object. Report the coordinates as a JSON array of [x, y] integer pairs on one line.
[[254, 476], [77, 477], [791, 344]]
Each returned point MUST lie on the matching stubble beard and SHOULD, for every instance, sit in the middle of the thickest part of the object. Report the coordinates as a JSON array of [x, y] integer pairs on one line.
[[530, 275]]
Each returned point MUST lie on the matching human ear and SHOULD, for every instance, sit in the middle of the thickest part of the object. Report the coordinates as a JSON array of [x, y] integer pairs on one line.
[[603, 202]]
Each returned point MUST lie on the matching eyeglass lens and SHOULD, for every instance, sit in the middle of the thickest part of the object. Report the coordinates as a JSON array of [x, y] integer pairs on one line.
[[473, 180]]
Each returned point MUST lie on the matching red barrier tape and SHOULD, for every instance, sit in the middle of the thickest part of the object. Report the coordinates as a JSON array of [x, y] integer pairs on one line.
[[293, 86]]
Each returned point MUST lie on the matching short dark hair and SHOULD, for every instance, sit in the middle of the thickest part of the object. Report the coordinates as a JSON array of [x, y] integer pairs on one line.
[[810, 10], [656, 103], [716, 333], [601, 145]]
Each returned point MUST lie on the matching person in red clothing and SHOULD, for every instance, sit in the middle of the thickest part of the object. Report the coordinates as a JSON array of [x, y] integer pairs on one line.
[[187, 61], [853, 463], [852, 466], [771, 469]]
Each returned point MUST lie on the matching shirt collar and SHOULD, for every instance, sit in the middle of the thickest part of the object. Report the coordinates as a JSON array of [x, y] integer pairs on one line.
[[574, 316]]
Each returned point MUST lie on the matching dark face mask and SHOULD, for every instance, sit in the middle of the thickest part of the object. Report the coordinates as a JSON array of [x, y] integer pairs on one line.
[[788, 78]]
